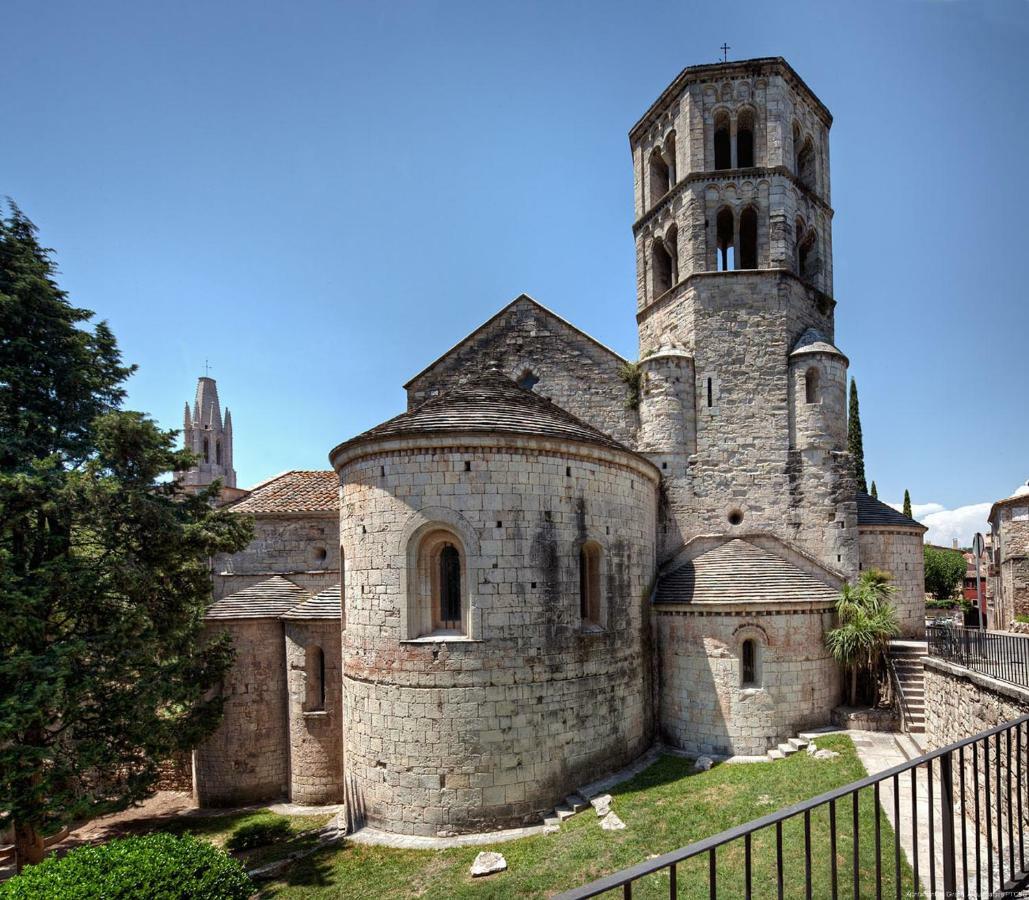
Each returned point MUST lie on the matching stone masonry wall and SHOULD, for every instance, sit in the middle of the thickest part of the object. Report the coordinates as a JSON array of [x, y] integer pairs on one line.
[[703, 706], [575, 372], [298, 544], [960, 703], [315, 735], [740, 328], [899, 552], [247, 759], [455, 735], [1011, 583]]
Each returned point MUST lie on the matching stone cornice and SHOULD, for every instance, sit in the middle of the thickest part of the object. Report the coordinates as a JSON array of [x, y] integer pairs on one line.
[[456, 440], [725, 175], [768, 65], [681, 287]]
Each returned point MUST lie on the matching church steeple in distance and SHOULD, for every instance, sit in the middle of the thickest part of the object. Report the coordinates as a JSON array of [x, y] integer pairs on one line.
[[209, 436]]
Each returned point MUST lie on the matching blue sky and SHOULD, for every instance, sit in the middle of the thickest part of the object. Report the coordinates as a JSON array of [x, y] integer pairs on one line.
[[322, 197]]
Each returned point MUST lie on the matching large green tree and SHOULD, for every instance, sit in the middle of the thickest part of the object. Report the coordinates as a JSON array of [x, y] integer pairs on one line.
[[103, 566], [855, 442], [944, 571]]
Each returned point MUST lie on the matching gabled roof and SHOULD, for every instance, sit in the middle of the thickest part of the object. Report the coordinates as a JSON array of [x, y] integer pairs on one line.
[[520, 299], [739, 572], [323, 605], [265, 600], [293, 492], [489, 404], [872, 511]]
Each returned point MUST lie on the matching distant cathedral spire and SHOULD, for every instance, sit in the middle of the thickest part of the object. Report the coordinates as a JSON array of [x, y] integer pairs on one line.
[[209, 437]]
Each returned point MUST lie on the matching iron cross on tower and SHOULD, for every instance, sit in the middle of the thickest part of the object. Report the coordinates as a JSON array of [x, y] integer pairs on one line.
[[725, 48], [207, 368]]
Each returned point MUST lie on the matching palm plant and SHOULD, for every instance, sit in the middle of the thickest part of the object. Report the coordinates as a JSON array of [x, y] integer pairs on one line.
[[866, 620]]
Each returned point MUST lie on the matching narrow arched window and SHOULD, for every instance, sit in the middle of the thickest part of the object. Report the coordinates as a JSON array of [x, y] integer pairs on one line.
[[745, 139], [660, 181], [723, 145], [207, 450], [806, 164], [748, 238], [449, 588], [670, 159], [748, 663], [811, 386], [218, 452], [806, 256], [589, 584], [725, 228], [664, 267], [315, 672]]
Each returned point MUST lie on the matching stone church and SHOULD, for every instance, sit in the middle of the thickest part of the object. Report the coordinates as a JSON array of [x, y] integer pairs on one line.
[[555, 556]]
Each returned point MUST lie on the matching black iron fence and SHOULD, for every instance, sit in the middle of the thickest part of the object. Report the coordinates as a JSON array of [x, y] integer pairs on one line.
[[947, 824], [999, 655]]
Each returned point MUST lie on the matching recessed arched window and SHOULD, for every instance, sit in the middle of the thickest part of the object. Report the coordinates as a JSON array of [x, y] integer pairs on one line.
[[440, 605], [806, 163], [723, 146], [725, 228], [748, 238], [670, 159], [749, 663], [315, 672], [207, 450], [218, 452], [589, 584], [806, 256], [660, 180], [811, 385], [745, 139], [664, 267]]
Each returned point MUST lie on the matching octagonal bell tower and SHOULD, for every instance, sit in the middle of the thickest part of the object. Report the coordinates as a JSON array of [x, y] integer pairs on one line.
[[733, 237]]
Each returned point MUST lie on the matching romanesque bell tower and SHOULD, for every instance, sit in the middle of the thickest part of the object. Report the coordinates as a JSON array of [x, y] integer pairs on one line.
[[744, 392], [210, 437]]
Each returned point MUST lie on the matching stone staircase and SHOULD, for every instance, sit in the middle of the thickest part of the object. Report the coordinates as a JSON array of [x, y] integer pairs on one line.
[[787, 748], [906, 659], [573, 803]]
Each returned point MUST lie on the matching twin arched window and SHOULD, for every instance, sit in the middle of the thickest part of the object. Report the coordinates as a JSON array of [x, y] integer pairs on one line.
[[736, 249], [744, 139]]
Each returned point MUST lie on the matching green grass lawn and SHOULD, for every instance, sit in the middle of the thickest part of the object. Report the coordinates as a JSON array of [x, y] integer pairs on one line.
[[664, 807]]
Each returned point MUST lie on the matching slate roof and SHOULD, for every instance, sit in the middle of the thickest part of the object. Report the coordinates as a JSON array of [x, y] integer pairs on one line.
[[293, 492], [323, 605], [491, 403], [265, 600], [813, 341], [739, 572], [871, 511]]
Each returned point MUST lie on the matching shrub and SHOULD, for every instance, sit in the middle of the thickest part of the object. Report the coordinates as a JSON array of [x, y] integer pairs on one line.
[[944, 570], [157, 866], [259, 834]]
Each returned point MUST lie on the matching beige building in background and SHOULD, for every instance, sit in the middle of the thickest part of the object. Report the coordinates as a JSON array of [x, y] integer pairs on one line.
[[1009, 569], [555, 556]]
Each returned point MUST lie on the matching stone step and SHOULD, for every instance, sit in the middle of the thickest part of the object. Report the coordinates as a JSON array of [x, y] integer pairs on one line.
[[787, 749], [798, 743], [563, 812], [552, 820], [576, 802], [776, 754]]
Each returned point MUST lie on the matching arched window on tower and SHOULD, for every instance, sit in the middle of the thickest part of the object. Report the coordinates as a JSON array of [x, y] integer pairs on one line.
[[207, 450], [806, 164], [748, 238], [811, 385], [659, 177], [664, 267], [806, 256], [589, 585], [315, 673], [218, 452], [745, 139], [673, 176], [723, 146], [725, 227]]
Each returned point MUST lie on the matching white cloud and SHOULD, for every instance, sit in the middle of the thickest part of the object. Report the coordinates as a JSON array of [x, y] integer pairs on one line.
[[946, 524]]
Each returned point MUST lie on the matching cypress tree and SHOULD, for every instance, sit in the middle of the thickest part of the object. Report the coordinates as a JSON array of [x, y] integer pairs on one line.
[[907, 505], [875, 491], [855, 444]]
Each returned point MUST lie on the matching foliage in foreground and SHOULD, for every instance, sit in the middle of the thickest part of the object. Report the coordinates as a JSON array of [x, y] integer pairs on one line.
[[157, 866], [103, 567], [260, 834], [944, 571], [867, 620]]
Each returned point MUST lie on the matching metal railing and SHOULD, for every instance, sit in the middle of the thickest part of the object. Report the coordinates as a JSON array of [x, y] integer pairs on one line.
[[947, 824], [997, 654]]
